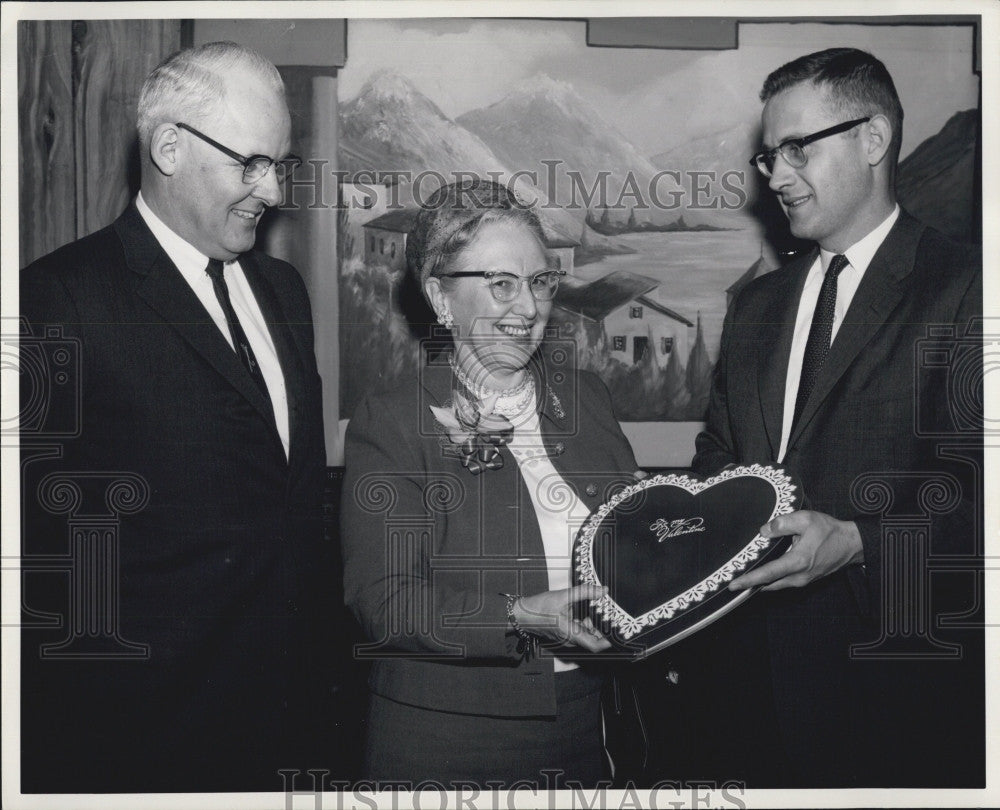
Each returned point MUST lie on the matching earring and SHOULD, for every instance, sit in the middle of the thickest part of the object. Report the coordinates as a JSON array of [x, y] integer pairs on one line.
[[446, 319]]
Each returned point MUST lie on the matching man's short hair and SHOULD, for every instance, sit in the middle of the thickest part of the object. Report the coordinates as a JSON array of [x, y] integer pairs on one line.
[[189, 85], [858, 83]]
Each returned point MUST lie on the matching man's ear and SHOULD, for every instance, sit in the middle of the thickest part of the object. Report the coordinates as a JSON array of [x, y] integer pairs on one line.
[[878, 136], [163, 151]]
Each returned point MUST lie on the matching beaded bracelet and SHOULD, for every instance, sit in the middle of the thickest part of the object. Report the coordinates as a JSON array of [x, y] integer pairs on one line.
[[527, 643]]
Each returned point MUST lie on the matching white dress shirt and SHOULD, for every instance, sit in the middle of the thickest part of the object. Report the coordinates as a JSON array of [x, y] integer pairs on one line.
[[859, 256], [191, 263], [560, 513]]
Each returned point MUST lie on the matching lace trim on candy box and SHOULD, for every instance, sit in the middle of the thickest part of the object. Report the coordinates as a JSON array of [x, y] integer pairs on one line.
[[630, 626]]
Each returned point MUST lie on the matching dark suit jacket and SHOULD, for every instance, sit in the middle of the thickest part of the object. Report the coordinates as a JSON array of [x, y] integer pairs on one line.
[[220, 570], [876, 409], [429, 548]]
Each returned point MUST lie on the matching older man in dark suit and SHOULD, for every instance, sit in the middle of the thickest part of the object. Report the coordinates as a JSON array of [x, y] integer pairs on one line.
[[819, 371], [199, 385]]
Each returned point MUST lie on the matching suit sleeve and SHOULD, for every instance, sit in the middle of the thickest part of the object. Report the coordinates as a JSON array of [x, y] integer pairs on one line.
[[49, 315], [44, 299], [388, 581], [952, 532], [714, 446]]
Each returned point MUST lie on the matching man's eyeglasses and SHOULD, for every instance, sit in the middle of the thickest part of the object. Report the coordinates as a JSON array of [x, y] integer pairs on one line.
[[793, 150], [505, 287], [255, 166]]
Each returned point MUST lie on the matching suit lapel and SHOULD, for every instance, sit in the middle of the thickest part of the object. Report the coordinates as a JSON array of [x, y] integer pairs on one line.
[[281, 336], [775, 346], [164, 289], [881, 289]]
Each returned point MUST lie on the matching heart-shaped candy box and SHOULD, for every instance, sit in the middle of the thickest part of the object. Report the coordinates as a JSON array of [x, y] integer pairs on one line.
[[667, 547]]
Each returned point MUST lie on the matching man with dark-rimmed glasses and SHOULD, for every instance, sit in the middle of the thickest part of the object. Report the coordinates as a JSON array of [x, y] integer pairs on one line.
[[819, 371], [199, 386]]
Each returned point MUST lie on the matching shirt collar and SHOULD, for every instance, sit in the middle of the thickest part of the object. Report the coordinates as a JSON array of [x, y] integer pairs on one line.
[[861, 253], [181, 252]]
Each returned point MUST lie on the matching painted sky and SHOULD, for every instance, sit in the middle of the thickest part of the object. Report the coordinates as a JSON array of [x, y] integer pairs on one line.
[[660, 98]]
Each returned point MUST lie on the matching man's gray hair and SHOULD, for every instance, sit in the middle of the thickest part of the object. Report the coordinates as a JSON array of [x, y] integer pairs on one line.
[[189, 85]]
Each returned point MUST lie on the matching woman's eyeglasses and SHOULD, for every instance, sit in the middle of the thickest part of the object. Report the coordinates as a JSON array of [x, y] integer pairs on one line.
[[505, 287]]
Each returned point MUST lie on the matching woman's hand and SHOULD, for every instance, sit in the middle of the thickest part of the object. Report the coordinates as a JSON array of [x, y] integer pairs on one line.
[[549, 616]]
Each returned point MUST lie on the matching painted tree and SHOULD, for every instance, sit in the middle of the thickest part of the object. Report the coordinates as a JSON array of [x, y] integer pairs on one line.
[[699, 376]]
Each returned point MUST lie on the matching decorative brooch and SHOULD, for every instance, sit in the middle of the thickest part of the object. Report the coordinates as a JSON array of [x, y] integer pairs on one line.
[[557, 407], [475, 432]]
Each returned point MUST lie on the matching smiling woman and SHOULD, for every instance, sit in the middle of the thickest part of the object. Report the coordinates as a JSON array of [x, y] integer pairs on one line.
[[497, 320], [502, 451]]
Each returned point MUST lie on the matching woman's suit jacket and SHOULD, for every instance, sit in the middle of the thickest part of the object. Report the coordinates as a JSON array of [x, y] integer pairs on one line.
[[429, 548]]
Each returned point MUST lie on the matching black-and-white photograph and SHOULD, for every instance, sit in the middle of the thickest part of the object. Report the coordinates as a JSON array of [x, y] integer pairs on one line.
[[526, 406]]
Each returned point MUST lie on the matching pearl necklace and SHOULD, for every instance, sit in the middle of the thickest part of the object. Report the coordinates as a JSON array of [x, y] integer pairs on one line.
[[509, 401], [482, 392], [515, 404]]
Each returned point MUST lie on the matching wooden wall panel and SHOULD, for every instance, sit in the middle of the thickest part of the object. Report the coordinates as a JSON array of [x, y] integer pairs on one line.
[[45, 137], [78, 84], [111, 59]]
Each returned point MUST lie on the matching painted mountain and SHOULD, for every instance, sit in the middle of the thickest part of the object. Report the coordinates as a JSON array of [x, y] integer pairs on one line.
[[392, 126], [393, 123], [936, 181], [544, 119], [725, 154]]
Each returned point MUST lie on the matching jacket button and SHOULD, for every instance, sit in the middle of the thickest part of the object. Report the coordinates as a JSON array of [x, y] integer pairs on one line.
[[559, 449], [591, 490], [673, 676]]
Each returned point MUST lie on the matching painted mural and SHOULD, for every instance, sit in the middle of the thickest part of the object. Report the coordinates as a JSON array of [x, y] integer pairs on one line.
[[635, 159]]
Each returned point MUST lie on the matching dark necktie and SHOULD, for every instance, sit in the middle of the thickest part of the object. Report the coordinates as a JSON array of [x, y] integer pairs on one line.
[[239, 337], [820, 333]]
